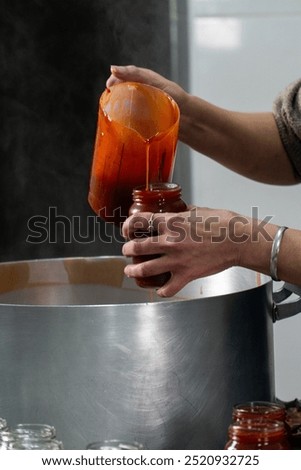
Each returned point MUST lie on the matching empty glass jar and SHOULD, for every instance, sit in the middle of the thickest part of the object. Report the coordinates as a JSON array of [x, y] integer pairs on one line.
[[29, 436], [114, 444], [34, 431], [35, 444]]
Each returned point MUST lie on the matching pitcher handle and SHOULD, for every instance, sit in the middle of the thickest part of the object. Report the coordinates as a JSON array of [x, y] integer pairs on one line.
[[288, 309]]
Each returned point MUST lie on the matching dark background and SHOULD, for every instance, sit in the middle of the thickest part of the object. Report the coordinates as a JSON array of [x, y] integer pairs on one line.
[[55, 59]]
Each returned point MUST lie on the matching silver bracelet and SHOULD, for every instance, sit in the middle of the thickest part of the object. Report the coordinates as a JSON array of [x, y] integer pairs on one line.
[[275, 252]]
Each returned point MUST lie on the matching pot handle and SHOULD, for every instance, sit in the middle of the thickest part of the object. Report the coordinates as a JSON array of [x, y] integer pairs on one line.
[[288, 309]]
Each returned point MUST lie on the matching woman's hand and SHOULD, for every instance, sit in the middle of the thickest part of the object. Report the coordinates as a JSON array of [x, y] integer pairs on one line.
[[192, 244], [131, 73]]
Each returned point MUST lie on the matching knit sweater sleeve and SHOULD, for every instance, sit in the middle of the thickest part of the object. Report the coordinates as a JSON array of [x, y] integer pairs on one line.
[[287, 113]]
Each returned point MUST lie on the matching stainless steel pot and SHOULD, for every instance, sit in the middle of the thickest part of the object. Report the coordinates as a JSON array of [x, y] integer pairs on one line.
[[84, 349]]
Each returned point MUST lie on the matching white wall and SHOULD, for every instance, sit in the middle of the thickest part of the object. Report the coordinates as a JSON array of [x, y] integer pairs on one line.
[[241, 54]]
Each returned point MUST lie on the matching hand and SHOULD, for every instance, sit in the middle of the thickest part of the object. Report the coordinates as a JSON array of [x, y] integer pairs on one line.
[[192, 244], [131, 73]]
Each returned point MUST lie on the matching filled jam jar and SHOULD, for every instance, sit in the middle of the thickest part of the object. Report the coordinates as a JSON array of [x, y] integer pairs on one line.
[[156, 198], [257, 434]]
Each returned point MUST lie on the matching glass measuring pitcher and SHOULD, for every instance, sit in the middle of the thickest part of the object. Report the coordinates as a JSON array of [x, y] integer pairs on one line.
[[136, 139]]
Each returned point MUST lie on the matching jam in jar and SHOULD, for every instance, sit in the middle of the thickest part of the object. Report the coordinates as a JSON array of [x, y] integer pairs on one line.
[[257, 434], [156, 198]]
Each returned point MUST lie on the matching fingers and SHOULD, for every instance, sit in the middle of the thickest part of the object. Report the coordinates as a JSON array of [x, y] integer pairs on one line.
[[134, 74], [158, 261], [141, 246], [189, 245], [156, 267], [172, 287], [124, 73]]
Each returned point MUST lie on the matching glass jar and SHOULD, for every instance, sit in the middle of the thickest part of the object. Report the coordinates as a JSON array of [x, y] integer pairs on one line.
[[157, 198], [252, 434], [35, 444], [114, 444], [29, 436], [34, 431]]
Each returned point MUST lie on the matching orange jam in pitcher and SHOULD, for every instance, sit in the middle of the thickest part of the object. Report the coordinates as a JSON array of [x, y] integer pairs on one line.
[[135, 145]]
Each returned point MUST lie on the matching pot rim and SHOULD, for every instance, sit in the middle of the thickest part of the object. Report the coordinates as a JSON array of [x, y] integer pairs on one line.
[[71, 271]]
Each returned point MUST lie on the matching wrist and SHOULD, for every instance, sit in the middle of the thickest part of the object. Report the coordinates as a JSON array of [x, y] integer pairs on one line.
[[192, 128], [256, 248]]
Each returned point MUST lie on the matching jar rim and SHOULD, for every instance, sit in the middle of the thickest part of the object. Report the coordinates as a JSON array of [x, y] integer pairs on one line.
[[261, 407], [257, 429], [157, 187], [111, 444]]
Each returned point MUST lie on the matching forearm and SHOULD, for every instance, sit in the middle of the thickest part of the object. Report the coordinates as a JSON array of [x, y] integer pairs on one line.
[[247, 143]]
